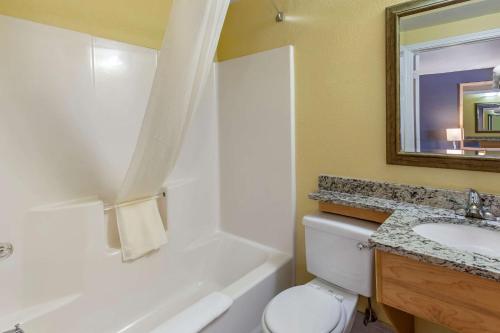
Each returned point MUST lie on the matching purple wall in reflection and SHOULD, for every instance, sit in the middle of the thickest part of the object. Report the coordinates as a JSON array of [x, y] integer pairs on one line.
[[439, 94]]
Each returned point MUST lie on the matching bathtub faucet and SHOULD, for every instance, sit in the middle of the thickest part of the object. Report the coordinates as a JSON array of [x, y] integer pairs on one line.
[[16, 329]]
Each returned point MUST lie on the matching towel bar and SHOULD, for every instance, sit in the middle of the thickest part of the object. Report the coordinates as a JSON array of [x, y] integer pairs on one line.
[[127, 203]]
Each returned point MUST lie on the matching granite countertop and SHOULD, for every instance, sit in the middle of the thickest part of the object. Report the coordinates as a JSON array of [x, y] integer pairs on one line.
[[411, 206]]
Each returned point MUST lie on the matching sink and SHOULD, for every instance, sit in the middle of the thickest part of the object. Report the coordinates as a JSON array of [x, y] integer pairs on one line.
[[463, 237]]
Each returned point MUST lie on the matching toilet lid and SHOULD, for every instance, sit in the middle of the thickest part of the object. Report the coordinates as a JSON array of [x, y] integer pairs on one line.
[[303, 309]]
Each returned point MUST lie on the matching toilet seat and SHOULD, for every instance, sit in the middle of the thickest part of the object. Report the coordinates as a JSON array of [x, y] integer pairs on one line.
[[305, 309]]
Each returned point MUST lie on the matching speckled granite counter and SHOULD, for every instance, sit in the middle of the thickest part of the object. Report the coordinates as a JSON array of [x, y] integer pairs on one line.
[[411, 206]]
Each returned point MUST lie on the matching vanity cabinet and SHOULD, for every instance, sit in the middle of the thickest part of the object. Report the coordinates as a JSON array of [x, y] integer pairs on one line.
[[461, 301], [407, 288]]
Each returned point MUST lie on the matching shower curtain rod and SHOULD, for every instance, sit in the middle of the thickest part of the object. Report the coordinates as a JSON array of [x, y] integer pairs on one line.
[[109, 207]]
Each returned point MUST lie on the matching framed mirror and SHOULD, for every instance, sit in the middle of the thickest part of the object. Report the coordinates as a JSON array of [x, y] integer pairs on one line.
[[443, 84], [487, 117]]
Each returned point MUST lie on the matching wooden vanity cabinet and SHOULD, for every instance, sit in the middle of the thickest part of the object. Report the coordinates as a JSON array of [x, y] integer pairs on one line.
[[407, 288], [461, 301]]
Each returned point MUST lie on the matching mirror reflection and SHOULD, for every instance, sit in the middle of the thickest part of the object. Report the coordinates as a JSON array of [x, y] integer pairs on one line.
[[450, 80]]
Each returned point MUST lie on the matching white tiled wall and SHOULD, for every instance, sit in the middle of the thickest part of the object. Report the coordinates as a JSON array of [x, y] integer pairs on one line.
[[193, 205], [64, 94], [256, 110], [71, 107]]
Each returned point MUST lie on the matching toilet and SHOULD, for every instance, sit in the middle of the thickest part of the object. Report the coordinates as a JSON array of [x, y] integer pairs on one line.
[[344, 269]]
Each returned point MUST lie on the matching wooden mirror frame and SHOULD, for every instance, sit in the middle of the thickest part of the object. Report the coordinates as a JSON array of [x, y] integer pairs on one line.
[[394, 155]]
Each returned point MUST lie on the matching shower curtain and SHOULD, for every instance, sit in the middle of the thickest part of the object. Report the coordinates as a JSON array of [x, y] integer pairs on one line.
[[183, 67]]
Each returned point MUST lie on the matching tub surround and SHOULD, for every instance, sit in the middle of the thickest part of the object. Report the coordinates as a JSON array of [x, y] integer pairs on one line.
[[79, 274], [410, 206]]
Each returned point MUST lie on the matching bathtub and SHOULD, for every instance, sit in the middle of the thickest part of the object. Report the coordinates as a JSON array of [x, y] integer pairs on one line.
[[87, 291], [249, 273]]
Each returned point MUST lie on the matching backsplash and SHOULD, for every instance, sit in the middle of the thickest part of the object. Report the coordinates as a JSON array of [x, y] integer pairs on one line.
[[419, 195]]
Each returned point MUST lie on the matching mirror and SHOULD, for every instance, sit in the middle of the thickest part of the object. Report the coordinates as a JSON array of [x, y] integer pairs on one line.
[[487, 118], [443, 84]]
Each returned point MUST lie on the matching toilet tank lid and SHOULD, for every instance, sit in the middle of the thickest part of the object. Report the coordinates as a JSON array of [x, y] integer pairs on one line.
[[341, 225]]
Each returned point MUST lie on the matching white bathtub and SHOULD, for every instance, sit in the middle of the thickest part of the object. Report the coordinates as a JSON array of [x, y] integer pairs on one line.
[[249, 273], [98, 293]]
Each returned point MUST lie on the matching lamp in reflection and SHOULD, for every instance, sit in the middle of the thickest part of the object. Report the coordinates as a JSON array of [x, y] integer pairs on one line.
[[454, 135], [496, 77]]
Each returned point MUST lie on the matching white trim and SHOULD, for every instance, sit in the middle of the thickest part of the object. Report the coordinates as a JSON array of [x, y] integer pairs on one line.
[[407, 102], [452, 70], [455, 40], [293, 139], [416, 102]]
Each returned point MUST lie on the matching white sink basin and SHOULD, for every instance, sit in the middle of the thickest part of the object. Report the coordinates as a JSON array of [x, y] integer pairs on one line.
[[463, 237]]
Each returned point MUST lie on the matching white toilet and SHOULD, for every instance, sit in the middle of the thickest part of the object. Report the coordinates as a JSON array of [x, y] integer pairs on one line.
[[344, 270]]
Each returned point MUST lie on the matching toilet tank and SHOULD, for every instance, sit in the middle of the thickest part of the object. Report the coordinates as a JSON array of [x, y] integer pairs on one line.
[[333, 254]]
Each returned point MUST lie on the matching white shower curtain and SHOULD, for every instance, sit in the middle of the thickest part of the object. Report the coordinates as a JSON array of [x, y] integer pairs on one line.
[[183, 67]]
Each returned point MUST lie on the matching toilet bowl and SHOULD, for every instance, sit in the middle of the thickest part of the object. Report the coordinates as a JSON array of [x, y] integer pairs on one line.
[[316, 307], [343, 268]]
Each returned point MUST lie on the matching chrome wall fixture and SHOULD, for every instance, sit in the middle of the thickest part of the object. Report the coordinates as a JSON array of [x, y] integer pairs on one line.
[[6, 250], [280, 15]]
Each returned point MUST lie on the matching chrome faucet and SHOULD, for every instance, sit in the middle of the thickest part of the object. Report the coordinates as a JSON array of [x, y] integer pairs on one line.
[[16, 329], [476, 209]]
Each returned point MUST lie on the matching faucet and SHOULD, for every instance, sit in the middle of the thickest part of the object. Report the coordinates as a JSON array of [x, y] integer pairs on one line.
[[16, 329], [476, 209]]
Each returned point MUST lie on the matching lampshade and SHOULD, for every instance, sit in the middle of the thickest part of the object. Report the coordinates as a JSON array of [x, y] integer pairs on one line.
[[496, 77], [454, 134]]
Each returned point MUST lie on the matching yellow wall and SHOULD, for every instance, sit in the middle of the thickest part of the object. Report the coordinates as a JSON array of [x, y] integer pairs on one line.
[[467, 26], [131, 21], [340, 95]]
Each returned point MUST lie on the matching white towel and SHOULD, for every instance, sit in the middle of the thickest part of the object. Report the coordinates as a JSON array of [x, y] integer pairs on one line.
[[140, 228], [197, 316]]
